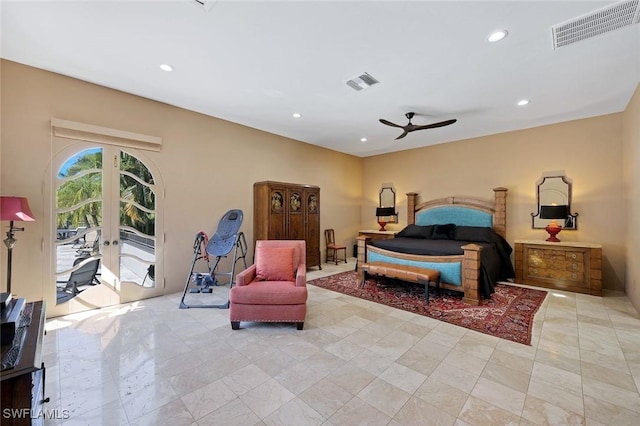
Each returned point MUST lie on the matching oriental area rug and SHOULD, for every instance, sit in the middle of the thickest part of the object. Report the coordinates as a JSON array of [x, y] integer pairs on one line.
[[507, 315]]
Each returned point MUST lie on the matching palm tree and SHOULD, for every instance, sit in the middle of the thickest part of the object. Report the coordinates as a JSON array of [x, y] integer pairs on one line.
[[133, 192], [79, 189]]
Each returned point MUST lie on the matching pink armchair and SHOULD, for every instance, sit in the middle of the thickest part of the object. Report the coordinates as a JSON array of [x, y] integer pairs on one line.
[[274, 288]]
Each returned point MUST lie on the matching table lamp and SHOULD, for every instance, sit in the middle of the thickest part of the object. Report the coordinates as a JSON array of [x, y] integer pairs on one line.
[[554, 212], [381, 213]]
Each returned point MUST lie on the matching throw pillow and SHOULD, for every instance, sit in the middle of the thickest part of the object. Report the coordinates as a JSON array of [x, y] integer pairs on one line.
[[410, 231], [473, 233], [416, 231], [275, 264], [443, 232]]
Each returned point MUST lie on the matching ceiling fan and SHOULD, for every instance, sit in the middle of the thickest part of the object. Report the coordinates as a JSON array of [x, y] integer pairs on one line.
[[411, 127]]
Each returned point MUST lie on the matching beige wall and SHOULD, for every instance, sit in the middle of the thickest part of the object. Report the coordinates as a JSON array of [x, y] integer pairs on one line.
[[208, 166], [631, 165], [589, 151]]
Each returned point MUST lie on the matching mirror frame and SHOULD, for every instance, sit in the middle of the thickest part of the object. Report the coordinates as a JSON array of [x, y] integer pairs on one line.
[[392, 196], [571, 223]]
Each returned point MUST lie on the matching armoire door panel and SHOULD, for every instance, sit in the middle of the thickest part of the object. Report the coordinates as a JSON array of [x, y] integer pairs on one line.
[[277, 228], [295, 222]]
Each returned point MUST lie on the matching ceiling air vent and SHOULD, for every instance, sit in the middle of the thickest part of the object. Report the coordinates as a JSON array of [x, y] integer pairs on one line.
[[362, 82], [601, 21]]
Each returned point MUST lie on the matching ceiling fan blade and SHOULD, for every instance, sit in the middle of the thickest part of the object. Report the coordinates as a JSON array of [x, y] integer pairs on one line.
[[388, 123], [434, 125], [402, 135]]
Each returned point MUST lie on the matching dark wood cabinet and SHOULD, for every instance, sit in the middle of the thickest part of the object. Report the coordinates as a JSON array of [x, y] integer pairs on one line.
[[288, 211], [23, 385]]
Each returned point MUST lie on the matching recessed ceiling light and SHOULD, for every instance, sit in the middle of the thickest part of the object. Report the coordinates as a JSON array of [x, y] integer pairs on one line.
[[524, 102], [363, 139], [497, 36], [166, 67], [297, 115]]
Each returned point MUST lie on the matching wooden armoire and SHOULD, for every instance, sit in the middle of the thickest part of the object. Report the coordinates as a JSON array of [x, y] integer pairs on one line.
[[288, 211]]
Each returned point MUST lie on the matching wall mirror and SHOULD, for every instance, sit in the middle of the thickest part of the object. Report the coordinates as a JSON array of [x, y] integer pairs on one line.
[[554, 195], [388, 200]]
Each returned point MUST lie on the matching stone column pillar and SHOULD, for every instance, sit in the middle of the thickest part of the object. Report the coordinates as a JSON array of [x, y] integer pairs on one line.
[[471, 274], [500, 215], [362, 253], [412, 199]]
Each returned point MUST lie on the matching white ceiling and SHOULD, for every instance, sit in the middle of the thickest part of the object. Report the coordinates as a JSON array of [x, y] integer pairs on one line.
[[256, 63]]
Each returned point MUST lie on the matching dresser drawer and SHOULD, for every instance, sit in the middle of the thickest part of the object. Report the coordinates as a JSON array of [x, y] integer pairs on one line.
[[575, 256], [559, 274]]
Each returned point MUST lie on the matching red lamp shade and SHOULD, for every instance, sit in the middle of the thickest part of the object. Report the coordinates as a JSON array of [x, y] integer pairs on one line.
[[15, 209]]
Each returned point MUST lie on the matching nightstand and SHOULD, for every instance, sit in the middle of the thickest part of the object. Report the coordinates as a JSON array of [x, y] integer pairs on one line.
[[377, 235], [365, 236], [570, 266]]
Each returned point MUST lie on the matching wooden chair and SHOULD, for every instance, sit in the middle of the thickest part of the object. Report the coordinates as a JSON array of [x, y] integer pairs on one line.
[[331, 251]]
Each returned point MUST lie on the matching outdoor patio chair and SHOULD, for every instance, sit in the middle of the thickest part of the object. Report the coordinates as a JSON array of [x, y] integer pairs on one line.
[[79, 280], [96, 278], [91, 245], [78, 242]]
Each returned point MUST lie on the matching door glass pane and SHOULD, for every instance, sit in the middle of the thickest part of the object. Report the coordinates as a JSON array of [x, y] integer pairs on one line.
[[137, 222], [79, 223]]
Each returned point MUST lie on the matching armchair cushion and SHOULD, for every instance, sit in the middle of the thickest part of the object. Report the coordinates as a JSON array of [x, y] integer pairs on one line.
[[269, 293], [275, 264]]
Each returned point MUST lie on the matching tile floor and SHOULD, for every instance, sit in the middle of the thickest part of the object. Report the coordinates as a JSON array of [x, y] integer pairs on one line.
[[355, 363]]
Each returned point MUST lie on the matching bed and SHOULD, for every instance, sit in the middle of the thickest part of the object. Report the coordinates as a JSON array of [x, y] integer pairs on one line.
[[462, 238]]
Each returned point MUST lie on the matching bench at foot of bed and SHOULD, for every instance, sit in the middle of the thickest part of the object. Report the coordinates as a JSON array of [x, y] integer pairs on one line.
[[402, 272]]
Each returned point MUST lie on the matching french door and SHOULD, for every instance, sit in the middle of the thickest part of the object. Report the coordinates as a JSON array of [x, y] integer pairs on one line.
[[107, 231]]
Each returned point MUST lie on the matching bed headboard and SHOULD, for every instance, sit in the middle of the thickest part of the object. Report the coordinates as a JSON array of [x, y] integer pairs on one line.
[[461, 211]]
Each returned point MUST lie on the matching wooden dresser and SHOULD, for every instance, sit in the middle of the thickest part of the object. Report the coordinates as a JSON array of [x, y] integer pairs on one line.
[[23, 385], [570, 266], [288, 211]]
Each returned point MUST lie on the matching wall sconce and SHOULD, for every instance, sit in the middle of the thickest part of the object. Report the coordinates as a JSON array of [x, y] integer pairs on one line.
[[381, 213], [13, 209], [553, 213]]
